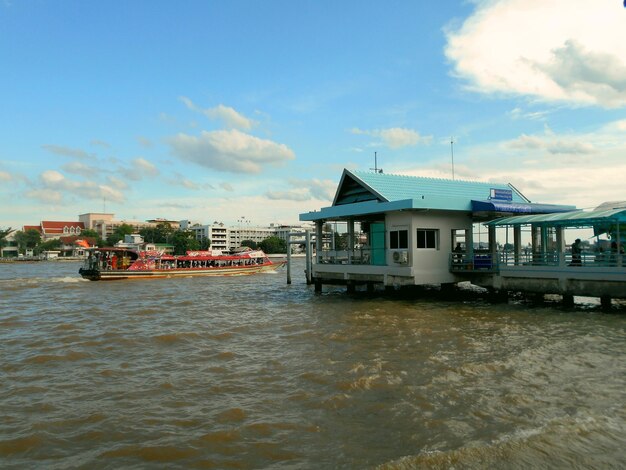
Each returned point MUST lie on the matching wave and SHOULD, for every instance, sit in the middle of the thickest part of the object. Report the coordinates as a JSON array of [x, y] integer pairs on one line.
[[569, 442]]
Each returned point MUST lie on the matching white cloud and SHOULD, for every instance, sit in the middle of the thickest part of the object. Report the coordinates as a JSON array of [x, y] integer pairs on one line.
[[4, 176], [582, 169], [117, 183], [52, 186], [225, 114], [144, 168], [80, 168], [395, 137], [554, 50], [552, 144], [66, 151], [232, 151], [305, 190], [48, 196]]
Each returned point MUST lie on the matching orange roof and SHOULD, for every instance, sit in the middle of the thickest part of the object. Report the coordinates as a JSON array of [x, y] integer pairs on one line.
[[52, 226], [32, 227]]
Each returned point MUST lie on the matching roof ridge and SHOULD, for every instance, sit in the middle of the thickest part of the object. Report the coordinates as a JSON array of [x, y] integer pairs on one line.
[[428, 177]]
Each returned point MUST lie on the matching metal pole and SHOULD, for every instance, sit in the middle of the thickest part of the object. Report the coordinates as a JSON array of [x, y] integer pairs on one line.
[[289, 258], [452, 154], [308, 257]]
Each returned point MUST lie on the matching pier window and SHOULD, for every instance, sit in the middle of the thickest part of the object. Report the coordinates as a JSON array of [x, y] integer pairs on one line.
[[399, 239], [428, 238]]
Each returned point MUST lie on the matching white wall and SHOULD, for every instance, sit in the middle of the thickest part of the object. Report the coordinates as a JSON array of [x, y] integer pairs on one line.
[[428, 266]]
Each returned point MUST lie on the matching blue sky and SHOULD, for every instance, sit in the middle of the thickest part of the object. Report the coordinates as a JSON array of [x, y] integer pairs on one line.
[[213, 111]]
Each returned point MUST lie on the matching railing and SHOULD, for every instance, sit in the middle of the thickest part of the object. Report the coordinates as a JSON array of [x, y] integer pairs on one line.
[[487, 262], [356, 256]]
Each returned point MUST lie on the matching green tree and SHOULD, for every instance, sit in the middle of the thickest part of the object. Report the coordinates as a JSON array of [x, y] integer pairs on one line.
[[183, 241], [27, 239], [3, 236], [250, 244], [273, 245], [161, 233], [119, 233], [205, 243], [49, 245]]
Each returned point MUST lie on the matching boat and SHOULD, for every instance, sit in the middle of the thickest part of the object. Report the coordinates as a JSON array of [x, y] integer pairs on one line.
[[108, 264]]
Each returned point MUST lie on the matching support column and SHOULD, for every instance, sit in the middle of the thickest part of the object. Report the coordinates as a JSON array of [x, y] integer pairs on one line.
[[350, 239], [560, 246], [319, 234], [605, 302], [289, 258], [493, 249], [535, 241], [469, 247], [308, 250], [568, 300], [517, 244], [620, 246]]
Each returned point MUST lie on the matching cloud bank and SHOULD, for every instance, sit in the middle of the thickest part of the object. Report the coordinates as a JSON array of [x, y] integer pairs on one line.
[[568, 51], [230, 151], [225, 114]]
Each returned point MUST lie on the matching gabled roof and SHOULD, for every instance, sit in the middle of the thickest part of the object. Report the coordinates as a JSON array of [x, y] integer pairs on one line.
[[55, 227], [358, 186], [363, 193], [56, 224]]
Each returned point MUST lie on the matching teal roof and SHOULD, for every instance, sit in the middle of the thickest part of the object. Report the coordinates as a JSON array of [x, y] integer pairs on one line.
[[566, 219], [389, 187], [363, 193]]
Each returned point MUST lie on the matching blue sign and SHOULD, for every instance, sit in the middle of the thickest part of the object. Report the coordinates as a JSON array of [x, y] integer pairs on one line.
[[501, 194]]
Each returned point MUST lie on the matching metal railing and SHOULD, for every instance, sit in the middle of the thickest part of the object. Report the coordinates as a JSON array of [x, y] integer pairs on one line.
[[356, 256], [489, 262]]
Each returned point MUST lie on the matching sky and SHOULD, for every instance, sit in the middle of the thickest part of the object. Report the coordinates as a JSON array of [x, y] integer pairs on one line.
[[246, 110]]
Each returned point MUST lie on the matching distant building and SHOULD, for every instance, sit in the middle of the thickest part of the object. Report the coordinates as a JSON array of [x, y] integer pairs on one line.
[[105, 224], [52, 229], [216, 232], [230, 238], [10, 249]]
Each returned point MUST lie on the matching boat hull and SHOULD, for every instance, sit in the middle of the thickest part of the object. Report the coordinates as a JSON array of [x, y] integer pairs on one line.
[[118, 274]]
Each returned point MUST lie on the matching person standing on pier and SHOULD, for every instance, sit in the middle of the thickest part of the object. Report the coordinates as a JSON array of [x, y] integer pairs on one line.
[[576, 253]]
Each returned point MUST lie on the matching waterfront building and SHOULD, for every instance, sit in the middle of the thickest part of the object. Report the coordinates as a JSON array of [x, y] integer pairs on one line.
[[217, 232], [51, 229], [10, 249], [398, 230]]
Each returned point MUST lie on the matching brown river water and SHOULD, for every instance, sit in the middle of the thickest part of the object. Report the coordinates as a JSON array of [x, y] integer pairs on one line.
[[248, 372]]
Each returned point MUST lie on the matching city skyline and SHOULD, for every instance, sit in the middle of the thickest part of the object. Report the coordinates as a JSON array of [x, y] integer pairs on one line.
[[219, 111]]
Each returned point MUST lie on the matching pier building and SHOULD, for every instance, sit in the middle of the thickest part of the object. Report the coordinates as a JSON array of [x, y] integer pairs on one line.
[[396, 230]]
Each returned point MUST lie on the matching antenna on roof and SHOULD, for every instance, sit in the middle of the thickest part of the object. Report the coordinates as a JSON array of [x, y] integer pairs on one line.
[[452, 154], [376, 169]]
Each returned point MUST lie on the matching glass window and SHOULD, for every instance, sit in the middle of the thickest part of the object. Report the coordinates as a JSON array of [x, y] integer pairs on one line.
[[399, 239], [428, 238]]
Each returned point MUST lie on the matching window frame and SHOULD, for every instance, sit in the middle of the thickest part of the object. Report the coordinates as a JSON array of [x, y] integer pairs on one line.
[[422, 235], [396, 239]]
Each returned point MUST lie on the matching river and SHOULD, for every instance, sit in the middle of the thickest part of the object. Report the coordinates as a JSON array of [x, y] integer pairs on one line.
[[249, 372]]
